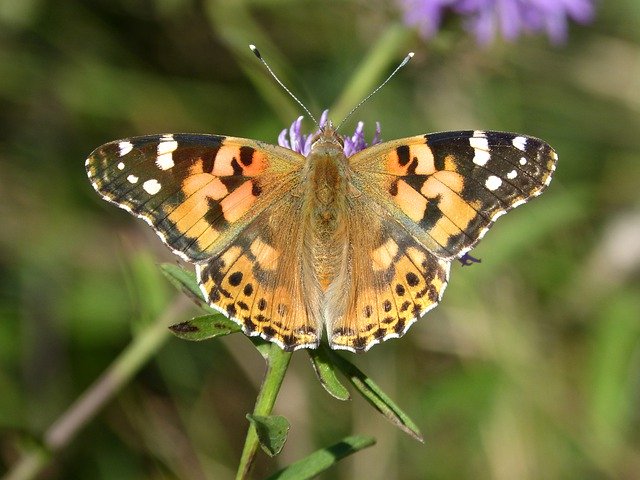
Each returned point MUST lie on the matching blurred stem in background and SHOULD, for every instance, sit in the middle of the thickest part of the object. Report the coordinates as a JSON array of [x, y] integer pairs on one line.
[[390, 48], [146, 344]]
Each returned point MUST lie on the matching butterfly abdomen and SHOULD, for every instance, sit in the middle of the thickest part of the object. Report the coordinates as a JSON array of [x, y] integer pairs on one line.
[[325, 213]]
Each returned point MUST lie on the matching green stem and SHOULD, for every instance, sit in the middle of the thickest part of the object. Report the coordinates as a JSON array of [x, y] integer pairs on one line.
[[388, 50], [277, 364], [132, 358]]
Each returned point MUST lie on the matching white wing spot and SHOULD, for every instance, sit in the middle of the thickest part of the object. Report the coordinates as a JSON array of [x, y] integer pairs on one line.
[[165, 161], [481, 157], [125, 147], [152, 186], [480, 145], [518, 203], [121, 166], [523, 161], [493, 183], [512, 174], [520, 143], [132, 179], [167, 146]]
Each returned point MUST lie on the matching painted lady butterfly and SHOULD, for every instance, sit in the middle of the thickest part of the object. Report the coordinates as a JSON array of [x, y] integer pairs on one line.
[[288, 246]]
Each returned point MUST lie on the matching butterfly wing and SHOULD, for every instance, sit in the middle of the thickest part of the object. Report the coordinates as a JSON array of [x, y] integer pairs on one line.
[[447, 189], [196, 191], [423, 201], [258, 280], [393, 280], [218, 202]]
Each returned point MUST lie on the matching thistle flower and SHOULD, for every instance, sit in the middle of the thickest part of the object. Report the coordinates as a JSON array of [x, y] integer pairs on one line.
[[293, 139], [509, 18]]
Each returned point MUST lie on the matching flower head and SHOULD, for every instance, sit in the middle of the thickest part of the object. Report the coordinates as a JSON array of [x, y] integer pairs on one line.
[[293, 138], [510, 18]]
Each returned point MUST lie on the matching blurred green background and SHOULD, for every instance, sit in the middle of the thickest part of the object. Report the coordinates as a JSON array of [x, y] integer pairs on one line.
[[530, 367]]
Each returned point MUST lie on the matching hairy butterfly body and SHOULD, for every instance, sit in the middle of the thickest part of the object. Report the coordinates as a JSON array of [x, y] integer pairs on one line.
[[289, 245]]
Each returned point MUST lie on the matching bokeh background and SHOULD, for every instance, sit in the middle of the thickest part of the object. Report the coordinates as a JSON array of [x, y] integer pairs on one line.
[[529, 368]]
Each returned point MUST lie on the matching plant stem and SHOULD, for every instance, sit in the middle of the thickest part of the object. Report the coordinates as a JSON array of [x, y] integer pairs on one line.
[[387, 51], [277, 364], [132, 358]]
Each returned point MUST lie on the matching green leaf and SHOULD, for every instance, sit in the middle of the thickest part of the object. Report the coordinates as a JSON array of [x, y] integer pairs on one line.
[[205, 327], [375, 396], [272, 432], [325, 370], [323, 459], [186, 281]]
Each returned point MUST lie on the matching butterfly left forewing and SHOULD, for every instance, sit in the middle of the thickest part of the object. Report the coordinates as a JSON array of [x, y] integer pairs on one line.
[[196, 191], [447, 189]]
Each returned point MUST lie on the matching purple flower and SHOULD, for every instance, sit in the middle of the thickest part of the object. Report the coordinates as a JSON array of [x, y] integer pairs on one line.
[[510, 18], [293, 139]]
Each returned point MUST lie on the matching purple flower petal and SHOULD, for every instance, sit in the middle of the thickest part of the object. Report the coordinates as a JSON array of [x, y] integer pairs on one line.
[[301, 143], [509, 18]]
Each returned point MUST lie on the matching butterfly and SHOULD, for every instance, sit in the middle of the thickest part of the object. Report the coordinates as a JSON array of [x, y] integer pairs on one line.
[[290, 246]]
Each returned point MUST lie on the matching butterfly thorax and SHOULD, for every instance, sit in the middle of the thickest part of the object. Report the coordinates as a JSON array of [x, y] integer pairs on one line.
[[325, 210]]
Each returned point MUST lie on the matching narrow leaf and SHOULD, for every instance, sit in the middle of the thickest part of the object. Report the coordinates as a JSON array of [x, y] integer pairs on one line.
[[186, 281], [272, 432], [375, 396], [323, 459], [205, 327], [325, 370]]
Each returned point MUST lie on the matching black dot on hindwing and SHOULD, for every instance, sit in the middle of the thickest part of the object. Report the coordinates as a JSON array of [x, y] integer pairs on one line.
[[235, 278], [412, 279]]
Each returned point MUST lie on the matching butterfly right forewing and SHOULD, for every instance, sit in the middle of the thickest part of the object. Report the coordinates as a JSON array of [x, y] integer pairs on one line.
[[447, 189]]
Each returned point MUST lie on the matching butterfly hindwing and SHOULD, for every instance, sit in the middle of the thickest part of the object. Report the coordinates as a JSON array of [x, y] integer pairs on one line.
[[256, 281], [393, 280], [196, 191], [447, 189]]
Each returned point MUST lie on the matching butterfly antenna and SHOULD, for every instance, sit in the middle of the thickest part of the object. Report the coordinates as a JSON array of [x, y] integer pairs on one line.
[[257, 54], [402, 64]]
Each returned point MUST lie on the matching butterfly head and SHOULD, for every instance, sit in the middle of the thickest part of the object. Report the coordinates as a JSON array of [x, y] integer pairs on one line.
[[327, 139]]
